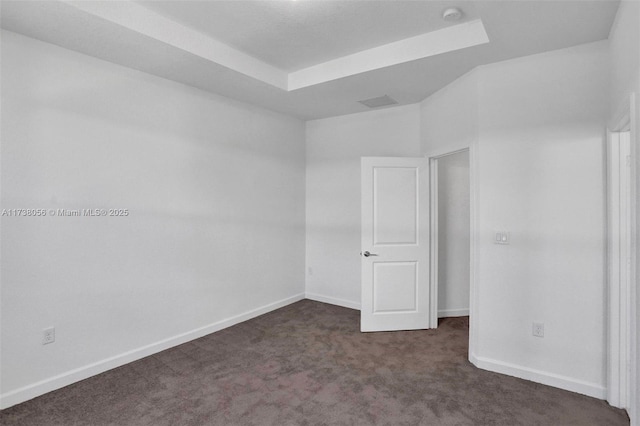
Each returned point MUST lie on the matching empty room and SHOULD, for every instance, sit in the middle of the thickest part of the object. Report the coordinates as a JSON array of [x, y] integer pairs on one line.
[[319, 212]]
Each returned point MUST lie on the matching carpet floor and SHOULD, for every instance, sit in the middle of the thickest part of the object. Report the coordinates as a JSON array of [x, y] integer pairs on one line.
[[308, 364]]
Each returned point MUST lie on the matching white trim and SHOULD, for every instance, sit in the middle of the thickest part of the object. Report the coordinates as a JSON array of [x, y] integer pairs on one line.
[[39, 388], [621, 258], [433, 242], [446, 313], [615, 341], [333, 301], [474, 291], [634, 314], [550, 379]]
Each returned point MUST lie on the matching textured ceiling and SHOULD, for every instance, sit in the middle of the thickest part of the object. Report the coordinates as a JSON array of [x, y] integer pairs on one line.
[[183, 50]]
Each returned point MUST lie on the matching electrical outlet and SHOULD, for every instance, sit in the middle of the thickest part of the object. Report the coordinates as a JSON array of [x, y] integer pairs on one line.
[[48, 335], [538, 329]]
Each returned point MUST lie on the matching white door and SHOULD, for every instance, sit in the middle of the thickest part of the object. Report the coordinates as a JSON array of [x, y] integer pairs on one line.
[[395, 244]]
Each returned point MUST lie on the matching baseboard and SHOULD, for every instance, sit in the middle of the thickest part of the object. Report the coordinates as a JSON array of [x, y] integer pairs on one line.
[[333, 301], [445, 313], [538, 376], [36, 389]]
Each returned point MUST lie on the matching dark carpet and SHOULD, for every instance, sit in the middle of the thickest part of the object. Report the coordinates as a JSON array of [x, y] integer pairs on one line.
[[308, 364]]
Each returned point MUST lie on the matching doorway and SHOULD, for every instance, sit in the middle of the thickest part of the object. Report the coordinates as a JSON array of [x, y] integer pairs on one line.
[[399, 241], [451, 233]]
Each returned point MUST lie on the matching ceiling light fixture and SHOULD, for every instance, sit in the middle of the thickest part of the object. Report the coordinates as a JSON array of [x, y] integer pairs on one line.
[[452, 14]]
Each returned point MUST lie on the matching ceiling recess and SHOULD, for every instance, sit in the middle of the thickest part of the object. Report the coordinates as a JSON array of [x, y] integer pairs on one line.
[[378, 102]]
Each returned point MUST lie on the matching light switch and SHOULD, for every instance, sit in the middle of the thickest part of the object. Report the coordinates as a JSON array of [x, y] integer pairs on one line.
[[502, 237]]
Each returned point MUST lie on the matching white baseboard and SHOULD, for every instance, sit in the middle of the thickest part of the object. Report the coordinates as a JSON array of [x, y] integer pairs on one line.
[[567, 383], [445, 313], [36, 389], [333, 301]]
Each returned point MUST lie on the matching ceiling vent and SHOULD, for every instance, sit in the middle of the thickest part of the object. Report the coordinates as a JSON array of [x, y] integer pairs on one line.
[[378, 102]]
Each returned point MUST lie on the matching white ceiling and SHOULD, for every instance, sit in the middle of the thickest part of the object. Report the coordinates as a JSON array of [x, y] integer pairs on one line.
[[292, 35], [310, 59]]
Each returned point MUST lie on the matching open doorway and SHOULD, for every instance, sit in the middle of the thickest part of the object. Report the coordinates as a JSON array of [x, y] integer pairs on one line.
[[400, 245], [450, 213], [452, 226]]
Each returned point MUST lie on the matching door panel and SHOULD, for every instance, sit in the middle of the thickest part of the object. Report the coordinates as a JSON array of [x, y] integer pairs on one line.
[[395, 207], [395, 287], [395, 244]]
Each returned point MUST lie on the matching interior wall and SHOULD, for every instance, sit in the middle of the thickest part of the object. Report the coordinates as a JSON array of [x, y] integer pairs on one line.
[[82, 133], [449, 117], [539, 175], [334, 148], [624, 42], [453, 235], [215, 228]]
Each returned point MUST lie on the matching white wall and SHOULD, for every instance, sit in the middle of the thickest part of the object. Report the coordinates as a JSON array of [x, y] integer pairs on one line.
[[624, 42], [453, 235], [213, 184], [215, 191], [539, 174], [449, 117], [334, 148], [625, 55]]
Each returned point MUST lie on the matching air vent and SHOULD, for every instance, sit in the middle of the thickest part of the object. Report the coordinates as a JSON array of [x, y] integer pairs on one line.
[[378, 102]]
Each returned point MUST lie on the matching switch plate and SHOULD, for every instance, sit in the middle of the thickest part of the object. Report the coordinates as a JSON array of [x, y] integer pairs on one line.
[[502, 237]]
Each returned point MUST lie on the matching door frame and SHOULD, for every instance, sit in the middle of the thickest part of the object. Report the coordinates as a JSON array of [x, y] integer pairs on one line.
[[618, 267], [621, 287], [433, 239]]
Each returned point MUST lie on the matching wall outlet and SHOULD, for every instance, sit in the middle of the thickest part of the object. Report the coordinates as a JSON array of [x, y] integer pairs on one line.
[[48, 335], [538, 329], [310, 270]]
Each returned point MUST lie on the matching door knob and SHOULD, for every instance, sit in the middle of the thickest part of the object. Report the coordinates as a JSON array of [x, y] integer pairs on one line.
[[367, 254]]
